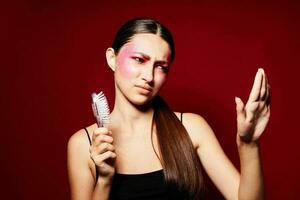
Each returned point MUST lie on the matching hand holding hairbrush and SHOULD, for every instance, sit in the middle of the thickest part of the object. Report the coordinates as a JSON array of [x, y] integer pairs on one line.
[[102, 151]]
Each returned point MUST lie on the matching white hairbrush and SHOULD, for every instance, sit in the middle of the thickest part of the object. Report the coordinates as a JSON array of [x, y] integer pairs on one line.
[[100, 108]]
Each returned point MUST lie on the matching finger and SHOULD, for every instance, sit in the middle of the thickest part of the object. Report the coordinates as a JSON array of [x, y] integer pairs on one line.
[[267, 89], [104, 147], [268, 100], [103, 165], [263, 89], [100, 131], [255, 91], [261, 106], [104, 156], [239, 109], [268, 110], [101, 139], [251, 111], [265, 111], [267, 82]]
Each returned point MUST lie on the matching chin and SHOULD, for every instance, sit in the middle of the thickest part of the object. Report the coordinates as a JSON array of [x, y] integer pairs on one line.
[[141, 100]]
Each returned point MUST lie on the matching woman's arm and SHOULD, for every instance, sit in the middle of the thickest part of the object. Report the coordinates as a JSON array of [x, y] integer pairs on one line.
[[251, 182], [214, 161], [252, 120], [81, 179]]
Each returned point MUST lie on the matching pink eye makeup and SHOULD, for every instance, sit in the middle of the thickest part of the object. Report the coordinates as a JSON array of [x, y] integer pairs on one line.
[[129, 56], [162, 65], [138, 59]]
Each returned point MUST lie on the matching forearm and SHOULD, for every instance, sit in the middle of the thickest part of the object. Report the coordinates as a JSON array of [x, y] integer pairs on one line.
[[251, 182], [102, 189]]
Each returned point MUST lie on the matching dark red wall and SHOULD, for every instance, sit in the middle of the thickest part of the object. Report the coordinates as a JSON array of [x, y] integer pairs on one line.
[[53, 58]]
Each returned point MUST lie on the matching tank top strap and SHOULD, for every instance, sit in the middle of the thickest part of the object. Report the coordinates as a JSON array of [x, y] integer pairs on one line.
[[181, 117], [87, 133]]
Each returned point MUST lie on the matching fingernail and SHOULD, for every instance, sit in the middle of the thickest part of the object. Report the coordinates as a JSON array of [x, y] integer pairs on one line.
[[261, 70], [237, 100]]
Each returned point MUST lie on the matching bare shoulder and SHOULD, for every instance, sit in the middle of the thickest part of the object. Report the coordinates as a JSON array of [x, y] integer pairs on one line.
[[81, 170], [79, 162], [78, 143], [79, 139], [78, 146], [197, 127]]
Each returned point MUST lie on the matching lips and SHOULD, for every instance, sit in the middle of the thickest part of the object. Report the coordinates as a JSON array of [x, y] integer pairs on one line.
[[145, 87]]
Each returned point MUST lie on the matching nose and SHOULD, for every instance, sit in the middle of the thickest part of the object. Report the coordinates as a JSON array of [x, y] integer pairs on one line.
[[147, 73]]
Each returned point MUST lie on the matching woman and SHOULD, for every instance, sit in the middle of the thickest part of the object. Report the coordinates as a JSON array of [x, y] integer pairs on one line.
[[150, 152]]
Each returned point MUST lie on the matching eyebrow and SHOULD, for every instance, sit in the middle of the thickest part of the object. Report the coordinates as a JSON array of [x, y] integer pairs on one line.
[[148, 58]]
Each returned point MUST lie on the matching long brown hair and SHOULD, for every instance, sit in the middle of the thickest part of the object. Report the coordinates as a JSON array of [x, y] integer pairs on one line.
[[182, 168]]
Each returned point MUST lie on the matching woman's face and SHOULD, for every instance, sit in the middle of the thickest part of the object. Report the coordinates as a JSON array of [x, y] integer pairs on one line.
[[142, 67]]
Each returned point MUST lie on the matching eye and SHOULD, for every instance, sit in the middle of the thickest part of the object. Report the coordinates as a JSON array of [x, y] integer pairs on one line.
[[139, 60], [164, 69]]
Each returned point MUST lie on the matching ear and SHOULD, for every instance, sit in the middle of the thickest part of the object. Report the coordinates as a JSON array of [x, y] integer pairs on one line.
[[111, 58]]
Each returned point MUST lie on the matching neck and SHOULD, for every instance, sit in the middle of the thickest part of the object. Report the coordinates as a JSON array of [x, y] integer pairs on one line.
[[131, 118]]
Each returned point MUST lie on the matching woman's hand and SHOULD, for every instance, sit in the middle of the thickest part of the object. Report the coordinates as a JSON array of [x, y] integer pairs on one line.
[[253, 117], [102, 152]]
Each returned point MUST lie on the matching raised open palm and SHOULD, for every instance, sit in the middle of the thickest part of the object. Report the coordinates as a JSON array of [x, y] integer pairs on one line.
[[253, 117]]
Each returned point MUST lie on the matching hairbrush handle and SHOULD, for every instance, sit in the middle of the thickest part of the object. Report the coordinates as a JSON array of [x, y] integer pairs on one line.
[[98, 119]]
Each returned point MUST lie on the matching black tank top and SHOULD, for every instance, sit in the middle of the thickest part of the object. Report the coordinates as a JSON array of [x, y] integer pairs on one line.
[[146, 186]]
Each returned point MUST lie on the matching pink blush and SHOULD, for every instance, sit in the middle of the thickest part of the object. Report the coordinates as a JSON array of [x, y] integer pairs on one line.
[[124, 63]]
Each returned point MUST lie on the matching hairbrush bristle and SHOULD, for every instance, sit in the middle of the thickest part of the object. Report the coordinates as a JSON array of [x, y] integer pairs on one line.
[[100, 108]]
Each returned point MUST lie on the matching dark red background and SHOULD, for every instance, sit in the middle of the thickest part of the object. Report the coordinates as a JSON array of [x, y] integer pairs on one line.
[[53, 58]]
